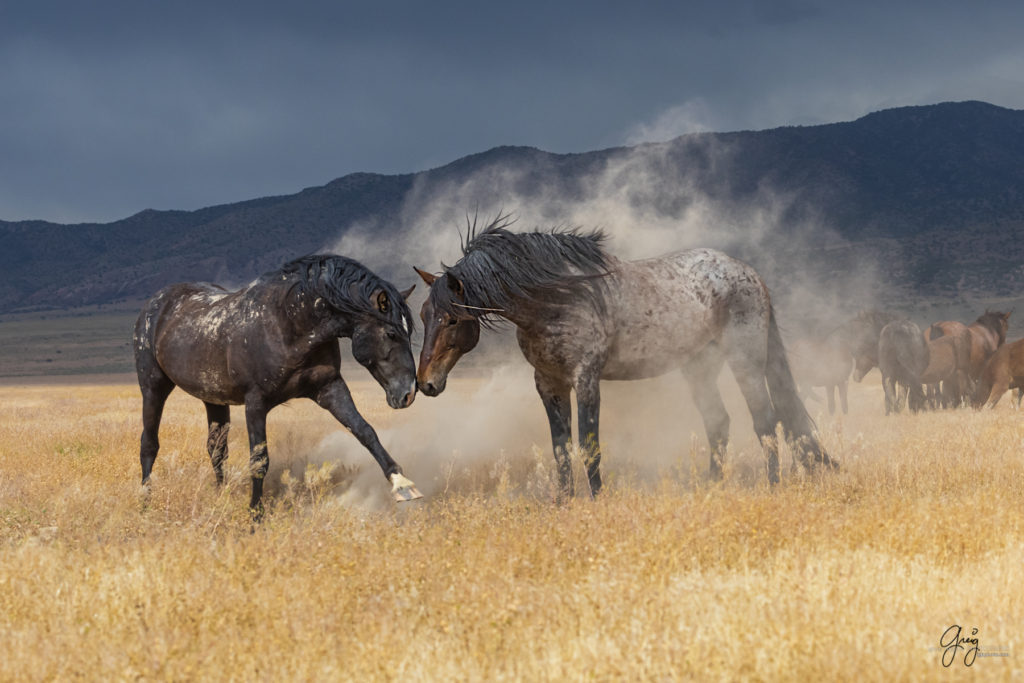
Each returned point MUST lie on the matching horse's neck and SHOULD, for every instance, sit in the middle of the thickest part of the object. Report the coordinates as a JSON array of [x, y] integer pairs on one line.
[[300, 309]]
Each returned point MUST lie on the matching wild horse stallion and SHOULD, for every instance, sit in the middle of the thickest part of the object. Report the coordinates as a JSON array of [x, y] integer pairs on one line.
[[582, 316], [273, 341], [902, 358], [982, 337], [1004, 371], [946, 375]]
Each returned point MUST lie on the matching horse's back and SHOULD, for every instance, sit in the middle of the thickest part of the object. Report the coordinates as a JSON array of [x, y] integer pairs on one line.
[[668, 309], [696, 278]]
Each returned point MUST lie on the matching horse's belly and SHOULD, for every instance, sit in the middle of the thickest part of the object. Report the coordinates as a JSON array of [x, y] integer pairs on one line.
[[638, 369], [199, 369], [210, 384], [636, 357]]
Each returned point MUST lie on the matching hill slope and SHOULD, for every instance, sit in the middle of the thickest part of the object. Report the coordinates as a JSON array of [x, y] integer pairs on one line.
[[932, 196]]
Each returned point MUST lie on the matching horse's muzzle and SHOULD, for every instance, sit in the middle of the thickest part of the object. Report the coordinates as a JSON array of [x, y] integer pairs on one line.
[[402, 400], [431, 388]]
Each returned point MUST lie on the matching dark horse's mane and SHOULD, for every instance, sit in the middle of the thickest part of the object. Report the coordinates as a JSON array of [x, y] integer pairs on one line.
[[499, 266], [347, 286], [992, 320]]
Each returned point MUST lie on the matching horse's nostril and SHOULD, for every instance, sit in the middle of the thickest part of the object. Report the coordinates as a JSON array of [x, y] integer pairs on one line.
[[407, 399], [429, 389]]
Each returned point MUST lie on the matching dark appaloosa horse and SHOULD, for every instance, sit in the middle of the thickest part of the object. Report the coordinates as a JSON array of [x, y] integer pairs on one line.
[[582, 316], [275, 340]]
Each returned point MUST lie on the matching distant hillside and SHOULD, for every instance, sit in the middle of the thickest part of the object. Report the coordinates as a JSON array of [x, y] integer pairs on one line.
[[933, 196]]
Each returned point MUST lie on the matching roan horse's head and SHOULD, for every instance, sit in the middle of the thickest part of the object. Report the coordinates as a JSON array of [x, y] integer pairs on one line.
[[384, 348], [446, 337]]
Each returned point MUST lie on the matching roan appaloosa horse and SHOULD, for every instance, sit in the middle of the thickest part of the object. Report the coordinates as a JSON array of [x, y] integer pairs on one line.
[[582, 315]]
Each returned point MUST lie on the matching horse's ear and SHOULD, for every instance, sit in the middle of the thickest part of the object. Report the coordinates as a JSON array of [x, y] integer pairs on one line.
[[383, 304], [454, 284], [427, 277], [407, 293]]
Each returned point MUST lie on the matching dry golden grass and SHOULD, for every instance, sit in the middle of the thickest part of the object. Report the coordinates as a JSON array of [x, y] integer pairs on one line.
[[852, 576]]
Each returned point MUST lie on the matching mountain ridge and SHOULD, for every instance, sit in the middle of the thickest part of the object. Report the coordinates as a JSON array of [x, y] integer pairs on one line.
[[897, 174]]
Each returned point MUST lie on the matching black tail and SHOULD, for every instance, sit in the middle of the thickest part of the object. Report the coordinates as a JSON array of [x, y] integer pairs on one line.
[[934, 332], [789, 409]]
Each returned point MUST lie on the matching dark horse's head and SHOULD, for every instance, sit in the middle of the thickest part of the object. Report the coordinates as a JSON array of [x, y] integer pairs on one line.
[[349, 300], [501, 271], [997, 322]]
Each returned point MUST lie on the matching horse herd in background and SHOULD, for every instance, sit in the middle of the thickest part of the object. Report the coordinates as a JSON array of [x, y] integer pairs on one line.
[[947, 365]]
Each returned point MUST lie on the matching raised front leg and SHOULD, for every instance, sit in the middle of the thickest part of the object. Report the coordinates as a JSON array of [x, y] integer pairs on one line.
[[336, 398], [588, 403], [218, 419], [259, 459], [555, 397]]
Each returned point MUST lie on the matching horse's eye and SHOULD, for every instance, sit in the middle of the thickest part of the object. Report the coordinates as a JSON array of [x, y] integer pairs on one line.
[[453, 321], [392, 335]]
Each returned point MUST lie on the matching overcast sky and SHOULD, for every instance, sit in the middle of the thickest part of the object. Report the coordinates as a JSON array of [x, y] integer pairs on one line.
[[108, 108]]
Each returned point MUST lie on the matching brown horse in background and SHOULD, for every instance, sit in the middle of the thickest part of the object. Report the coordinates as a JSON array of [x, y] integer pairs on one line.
[[1004, 371], [824, 362], [946, 374], [982, 337]]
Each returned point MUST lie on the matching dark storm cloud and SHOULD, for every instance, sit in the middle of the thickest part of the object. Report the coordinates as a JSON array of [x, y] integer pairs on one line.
[[112, 107]]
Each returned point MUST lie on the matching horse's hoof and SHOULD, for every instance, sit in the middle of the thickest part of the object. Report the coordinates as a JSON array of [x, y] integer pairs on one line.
[[403, 489]]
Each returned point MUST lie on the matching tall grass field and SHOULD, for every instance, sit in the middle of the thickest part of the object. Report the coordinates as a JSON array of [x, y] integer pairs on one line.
[[858, 575]]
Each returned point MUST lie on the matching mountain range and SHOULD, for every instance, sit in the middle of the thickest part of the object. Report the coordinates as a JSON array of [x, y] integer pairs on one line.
[[929, 200]]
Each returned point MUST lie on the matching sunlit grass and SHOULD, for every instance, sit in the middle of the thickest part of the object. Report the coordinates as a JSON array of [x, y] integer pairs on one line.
[[849, 576]]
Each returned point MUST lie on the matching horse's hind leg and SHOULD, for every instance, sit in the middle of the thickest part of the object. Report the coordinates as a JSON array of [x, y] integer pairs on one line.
[[749, 372], [555, 397], [588, 413], [843, 387], [218, 419], [702, 376], [155, 387], [831, 389]]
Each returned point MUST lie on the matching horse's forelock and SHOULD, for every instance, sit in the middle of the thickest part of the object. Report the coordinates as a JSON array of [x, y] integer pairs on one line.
[[498, 266]]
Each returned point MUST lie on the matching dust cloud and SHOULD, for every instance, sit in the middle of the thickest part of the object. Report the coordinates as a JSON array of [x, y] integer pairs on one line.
[[648, 205]]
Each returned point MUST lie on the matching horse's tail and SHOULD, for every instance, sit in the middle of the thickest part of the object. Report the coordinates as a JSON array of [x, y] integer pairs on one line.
[[934, 332], [789, 409]]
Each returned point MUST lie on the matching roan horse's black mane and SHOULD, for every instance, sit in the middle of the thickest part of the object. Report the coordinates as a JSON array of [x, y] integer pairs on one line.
[[499, 266], [347, 286]]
